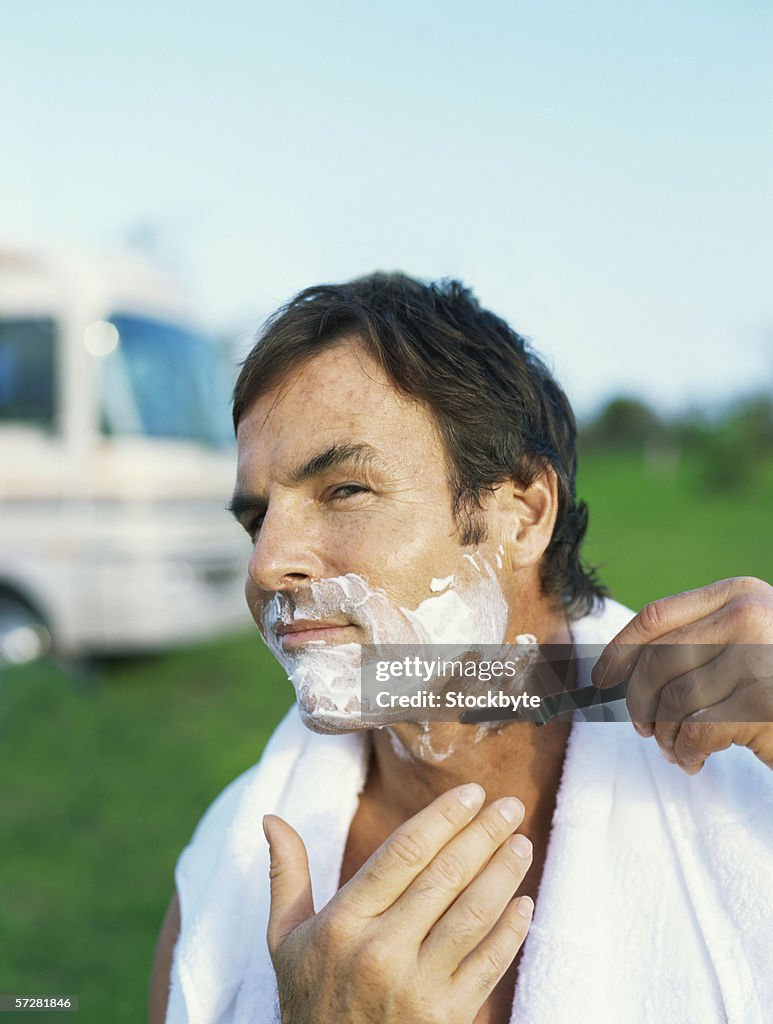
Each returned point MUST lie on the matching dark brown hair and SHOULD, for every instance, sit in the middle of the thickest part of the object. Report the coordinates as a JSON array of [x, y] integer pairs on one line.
[[499, 411]]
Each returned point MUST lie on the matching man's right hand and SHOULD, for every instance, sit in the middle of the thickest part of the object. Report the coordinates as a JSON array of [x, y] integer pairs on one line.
[[422, 933]]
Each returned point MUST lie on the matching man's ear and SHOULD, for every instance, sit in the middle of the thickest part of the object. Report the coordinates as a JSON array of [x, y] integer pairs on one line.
[[525, 518]]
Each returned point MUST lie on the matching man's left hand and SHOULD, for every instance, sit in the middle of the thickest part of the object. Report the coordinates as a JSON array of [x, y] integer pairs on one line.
[[700, 671]]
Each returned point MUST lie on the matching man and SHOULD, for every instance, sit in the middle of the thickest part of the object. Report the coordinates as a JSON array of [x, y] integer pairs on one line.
[[406, 463]]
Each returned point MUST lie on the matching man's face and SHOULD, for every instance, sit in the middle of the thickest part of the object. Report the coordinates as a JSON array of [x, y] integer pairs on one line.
[[342, 486]]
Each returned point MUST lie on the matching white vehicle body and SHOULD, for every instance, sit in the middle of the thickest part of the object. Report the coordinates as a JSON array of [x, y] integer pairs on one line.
[[115, 461]]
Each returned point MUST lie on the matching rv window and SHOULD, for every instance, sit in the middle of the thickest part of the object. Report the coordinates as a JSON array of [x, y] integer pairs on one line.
[[165, 381], [27, 372]]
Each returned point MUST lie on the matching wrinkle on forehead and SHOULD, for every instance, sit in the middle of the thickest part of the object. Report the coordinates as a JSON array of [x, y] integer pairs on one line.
[[340, 403], [293, 376]]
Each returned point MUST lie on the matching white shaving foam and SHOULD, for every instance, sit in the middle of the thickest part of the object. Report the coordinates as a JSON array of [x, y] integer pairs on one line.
[[326, 677], [424, 750]]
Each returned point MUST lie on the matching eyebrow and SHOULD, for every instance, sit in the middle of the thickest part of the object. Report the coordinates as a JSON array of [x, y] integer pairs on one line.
[[357, 456]]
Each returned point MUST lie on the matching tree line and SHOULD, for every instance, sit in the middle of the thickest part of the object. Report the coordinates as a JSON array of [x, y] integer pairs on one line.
[[728, 449]]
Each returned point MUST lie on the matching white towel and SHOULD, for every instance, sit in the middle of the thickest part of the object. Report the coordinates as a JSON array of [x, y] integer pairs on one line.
[[654, 906]]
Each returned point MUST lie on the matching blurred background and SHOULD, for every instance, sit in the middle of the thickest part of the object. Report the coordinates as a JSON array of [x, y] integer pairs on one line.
[[598, 173]]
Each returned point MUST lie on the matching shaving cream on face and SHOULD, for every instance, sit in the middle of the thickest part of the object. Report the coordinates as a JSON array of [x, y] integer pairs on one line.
[[326, 677]]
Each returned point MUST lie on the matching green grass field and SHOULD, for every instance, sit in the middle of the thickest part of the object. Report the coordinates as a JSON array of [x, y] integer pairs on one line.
[[656, 533], [103, 774]]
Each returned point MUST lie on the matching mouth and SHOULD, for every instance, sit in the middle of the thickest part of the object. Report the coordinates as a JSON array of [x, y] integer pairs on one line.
[[295, 634]]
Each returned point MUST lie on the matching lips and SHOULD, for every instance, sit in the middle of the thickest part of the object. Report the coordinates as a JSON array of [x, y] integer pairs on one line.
[[301, 631]]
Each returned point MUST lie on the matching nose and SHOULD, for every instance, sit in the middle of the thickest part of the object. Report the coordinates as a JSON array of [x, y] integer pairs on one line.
[[284, 555]]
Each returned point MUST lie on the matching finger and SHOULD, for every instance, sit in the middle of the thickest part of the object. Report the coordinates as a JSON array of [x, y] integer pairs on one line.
[[697, 740], [485, 966], [656, 620], [292, 902], [722, 725], [654, 692], [435, 889], [660, 665], [702, 687], [404, 855], [475, 912]]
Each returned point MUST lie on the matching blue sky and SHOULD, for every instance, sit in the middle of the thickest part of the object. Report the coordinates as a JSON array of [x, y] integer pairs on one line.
[[599, 173]]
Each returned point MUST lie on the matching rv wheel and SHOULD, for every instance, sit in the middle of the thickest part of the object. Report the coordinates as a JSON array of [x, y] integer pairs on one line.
[[23, 636]]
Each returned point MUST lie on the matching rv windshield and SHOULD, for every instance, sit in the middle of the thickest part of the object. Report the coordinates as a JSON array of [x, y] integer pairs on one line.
[[163, 380], [27, 364]]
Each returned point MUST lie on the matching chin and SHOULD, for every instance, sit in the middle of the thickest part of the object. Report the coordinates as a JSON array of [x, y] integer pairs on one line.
[[326, 680], [320, 713], [328, 722]]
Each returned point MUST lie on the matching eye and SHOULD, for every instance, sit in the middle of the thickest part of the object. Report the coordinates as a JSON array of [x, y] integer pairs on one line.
[[254, 525], [347, 491]]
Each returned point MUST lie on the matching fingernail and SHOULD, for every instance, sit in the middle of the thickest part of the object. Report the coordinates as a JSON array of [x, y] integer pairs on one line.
[[525, 907], [520, 846], [265, 829], [472, 796], [511, 809], [598, 673], [644, 730]]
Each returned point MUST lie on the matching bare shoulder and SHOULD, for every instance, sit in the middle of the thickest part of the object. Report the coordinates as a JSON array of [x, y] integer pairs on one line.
[[162, 963]]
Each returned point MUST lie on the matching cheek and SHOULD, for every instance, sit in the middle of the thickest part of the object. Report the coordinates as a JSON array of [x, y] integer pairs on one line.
[[256, 600], [404, 561]]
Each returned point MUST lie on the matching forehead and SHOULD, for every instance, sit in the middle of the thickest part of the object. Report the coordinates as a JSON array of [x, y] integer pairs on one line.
[[340, 396]]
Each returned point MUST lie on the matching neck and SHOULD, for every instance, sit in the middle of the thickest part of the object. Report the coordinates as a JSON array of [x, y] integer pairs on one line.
[[414, 763]]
